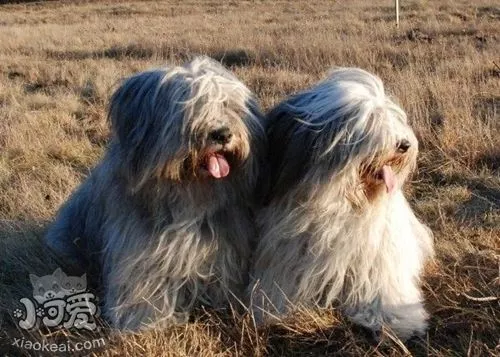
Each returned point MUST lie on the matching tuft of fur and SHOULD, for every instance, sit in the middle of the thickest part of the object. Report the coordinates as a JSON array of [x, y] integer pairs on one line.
[[161, 234], [331, 232]]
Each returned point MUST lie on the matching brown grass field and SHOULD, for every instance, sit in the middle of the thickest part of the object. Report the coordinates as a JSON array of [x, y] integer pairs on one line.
[[59, 62]]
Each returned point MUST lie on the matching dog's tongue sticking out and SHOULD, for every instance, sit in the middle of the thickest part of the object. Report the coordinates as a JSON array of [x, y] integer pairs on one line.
[[217, 165], [389, 178]]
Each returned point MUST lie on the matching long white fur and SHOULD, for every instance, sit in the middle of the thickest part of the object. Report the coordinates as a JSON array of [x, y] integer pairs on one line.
[[322, 241]]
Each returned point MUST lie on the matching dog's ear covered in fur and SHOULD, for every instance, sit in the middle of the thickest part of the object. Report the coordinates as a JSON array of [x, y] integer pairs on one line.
[[130, 108], [292, 122], [288, 163], [140, 122]]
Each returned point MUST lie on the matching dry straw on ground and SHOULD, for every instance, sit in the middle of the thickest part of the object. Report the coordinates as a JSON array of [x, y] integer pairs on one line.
[[60, 60]]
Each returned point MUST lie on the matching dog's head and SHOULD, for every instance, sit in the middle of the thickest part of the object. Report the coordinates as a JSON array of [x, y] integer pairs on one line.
[[344, 128], [194, 123]]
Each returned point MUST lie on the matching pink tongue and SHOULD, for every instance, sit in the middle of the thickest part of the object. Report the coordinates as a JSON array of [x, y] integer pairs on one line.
[[389, 178], [218, 166]]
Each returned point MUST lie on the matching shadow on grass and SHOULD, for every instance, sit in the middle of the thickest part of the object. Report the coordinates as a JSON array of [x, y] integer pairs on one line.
[[478, 186], [231, 58], [463, 304], [480, 209], [134, 51], [4, 2], [23, 253]]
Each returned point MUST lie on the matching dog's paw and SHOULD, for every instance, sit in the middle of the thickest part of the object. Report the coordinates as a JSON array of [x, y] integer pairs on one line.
[[403, 321], [368, 317], [407, 321]]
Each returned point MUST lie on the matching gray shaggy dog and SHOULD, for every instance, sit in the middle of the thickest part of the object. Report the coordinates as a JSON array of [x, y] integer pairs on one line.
[[337, 228], [165, 219]]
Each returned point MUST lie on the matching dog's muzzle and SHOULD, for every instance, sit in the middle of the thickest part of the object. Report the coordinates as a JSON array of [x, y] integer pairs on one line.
[[217, 162]]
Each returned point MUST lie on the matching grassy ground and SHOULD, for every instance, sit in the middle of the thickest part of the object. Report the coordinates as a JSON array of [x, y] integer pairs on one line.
[[60, 60]]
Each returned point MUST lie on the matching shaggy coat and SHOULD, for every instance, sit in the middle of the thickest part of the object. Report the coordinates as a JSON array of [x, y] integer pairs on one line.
[[337, 228], [166, 216]]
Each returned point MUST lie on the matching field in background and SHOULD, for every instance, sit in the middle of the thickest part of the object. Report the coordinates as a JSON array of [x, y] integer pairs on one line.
[[59, 62]]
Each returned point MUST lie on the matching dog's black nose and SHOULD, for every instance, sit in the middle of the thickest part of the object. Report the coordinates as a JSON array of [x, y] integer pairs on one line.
[[403, 146], [222, 135]]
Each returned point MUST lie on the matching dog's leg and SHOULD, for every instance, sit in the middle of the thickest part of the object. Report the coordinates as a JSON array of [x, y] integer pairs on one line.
[[233, 230], [128, 310], [68, 236], [268, 303], [401, 297]]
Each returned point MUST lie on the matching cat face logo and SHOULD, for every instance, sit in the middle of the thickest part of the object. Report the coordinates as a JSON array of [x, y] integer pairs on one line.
[[60, 300], [74, 284], [47, 287]]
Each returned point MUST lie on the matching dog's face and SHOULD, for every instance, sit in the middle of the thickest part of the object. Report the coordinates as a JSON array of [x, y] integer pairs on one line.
[[217, 140], [388, 154], [343, 130], [194, 123]]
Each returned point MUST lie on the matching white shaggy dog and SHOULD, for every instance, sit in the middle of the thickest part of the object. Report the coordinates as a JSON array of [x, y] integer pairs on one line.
[[337, 228], [165, 220]]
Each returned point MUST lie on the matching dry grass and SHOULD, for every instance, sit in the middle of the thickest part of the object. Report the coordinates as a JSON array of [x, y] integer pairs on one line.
[[59, 62]]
